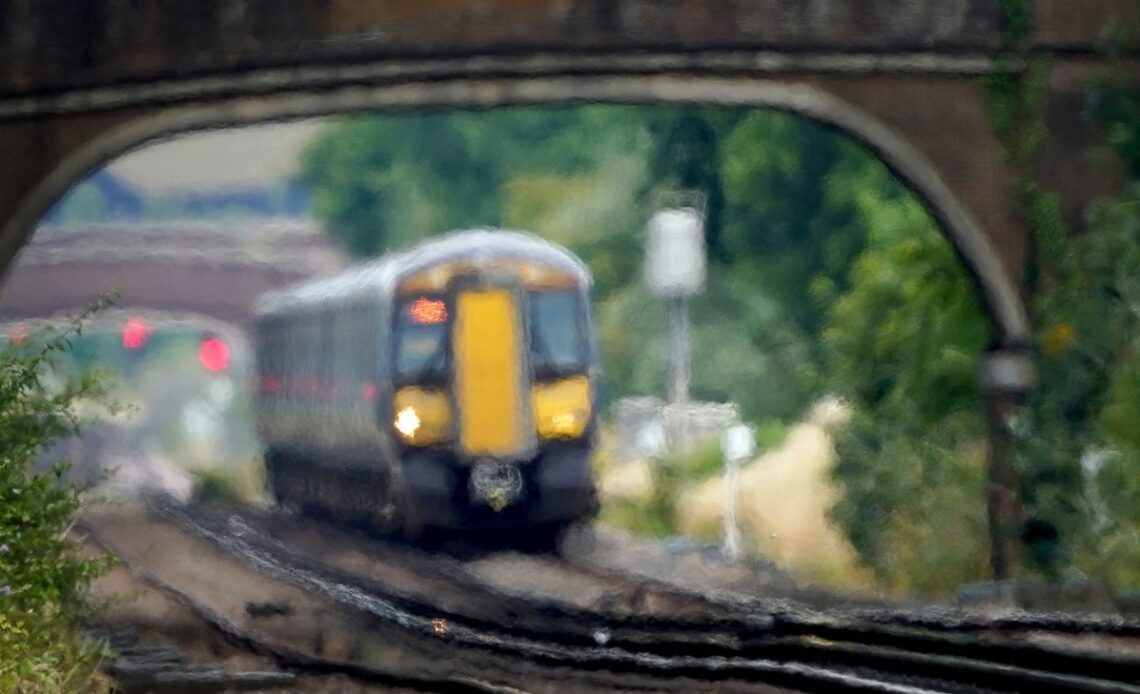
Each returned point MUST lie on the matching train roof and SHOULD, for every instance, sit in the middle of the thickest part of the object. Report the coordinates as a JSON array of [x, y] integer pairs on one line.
[[380, 276]]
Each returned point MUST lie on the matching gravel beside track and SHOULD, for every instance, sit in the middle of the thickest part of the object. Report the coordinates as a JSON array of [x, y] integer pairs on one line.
[[563, 616]]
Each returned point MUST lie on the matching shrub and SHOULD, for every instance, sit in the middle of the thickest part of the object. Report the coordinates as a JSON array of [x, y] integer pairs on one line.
[[44, 581], [655, 513]]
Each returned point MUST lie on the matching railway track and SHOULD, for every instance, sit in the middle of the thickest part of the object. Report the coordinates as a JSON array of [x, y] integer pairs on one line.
[[673, 638]]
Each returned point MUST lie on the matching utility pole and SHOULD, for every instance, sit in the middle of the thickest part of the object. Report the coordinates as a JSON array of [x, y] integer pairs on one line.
[[1006, 376], [675, 270], [680, 355]]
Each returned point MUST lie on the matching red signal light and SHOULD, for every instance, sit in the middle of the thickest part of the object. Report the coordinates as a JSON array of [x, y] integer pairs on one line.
[[214, 355], [135, 334], [427, 311], [18, 334]]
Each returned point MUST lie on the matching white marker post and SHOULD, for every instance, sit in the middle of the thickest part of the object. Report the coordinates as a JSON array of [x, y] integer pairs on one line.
[[738, 444]]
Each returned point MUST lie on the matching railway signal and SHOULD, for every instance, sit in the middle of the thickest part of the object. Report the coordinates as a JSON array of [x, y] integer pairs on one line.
[[214, 354], [18, 334], [136, 333]]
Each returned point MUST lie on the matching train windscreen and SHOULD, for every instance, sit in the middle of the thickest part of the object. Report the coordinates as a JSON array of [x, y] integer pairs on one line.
[[420, 353], [557, 342]]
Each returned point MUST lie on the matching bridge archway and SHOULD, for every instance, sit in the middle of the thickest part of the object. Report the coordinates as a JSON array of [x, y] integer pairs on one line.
[[998, 292]]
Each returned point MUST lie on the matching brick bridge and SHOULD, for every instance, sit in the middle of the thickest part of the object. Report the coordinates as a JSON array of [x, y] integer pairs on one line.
[[174, 267], [83, 82]]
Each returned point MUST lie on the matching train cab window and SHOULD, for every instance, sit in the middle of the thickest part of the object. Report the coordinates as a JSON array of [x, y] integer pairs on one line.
[[421, 340], [557, 342]]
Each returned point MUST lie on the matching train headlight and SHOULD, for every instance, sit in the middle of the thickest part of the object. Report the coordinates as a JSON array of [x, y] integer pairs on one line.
[[407, 421], [562, 408], [423, 416]]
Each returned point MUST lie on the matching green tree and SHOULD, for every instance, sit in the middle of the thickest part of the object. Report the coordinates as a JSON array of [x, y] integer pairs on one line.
[[791, 215], [903, 343], [382, 180], [1078, 455], [688, 154], [743, 349]]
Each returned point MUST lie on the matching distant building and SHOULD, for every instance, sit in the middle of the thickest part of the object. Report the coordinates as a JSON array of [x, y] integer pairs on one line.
[[104, 198]]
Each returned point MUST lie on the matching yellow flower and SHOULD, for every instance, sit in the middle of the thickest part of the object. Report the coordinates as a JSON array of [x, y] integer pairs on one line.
[[1057, 339]]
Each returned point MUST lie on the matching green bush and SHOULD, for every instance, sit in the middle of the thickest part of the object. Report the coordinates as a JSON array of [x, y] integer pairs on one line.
[[44, 581], [655, 514], [770, 433]]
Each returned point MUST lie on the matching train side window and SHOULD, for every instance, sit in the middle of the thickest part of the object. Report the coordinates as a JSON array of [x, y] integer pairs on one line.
[[292, 352], [344, 347], [303, 355], [327, 359], [268, 347], [368, 340]]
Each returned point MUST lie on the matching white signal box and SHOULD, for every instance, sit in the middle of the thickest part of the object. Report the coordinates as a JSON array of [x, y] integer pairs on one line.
[[675, 253]]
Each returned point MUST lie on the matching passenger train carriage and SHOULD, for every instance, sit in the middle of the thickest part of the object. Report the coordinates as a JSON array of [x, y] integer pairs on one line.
[[451, 385]]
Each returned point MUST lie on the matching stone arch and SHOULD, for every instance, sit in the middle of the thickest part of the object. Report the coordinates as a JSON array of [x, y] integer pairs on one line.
[[999, 293]]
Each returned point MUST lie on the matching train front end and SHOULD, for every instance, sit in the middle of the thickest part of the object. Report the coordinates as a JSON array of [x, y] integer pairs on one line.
[[493, 407]]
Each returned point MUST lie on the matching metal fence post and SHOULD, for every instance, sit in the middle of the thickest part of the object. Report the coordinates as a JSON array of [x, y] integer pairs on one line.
[[737, 444]]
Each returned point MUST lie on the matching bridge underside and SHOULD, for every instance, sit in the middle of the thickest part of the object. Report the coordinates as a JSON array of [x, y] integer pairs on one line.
[[903, 76]]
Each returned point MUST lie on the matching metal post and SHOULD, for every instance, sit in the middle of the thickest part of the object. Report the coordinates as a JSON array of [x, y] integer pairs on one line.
[[1002, 508], [731, 548], [738, 444], [679, 353], [1006, 376]]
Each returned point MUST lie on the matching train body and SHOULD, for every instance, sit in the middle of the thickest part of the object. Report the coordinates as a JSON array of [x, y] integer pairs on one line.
[[450, 385]]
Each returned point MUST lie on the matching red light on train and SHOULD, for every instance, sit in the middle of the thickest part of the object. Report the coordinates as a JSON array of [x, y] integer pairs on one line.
[[370, 392], [427, 311], [214, 355], [135, 334]]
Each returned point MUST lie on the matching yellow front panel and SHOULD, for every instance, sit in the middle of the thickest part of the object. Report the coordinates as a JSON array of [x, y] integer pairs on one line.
[[486, 342]]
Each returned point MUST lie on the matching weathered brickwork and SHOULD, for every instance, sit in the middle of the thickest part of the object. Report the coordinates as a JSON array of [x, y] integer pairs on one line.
[[58, 44]]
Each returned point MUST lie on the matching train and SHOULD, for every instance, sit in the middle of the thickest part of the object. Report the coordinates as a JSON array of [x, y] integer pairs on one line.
[[452, 385]]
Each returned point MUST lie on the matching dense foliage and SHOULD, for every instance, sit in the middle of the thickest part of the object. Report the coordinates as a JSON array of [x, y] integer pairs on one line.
[[1079, 452], [43, 578], [903, 345]]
